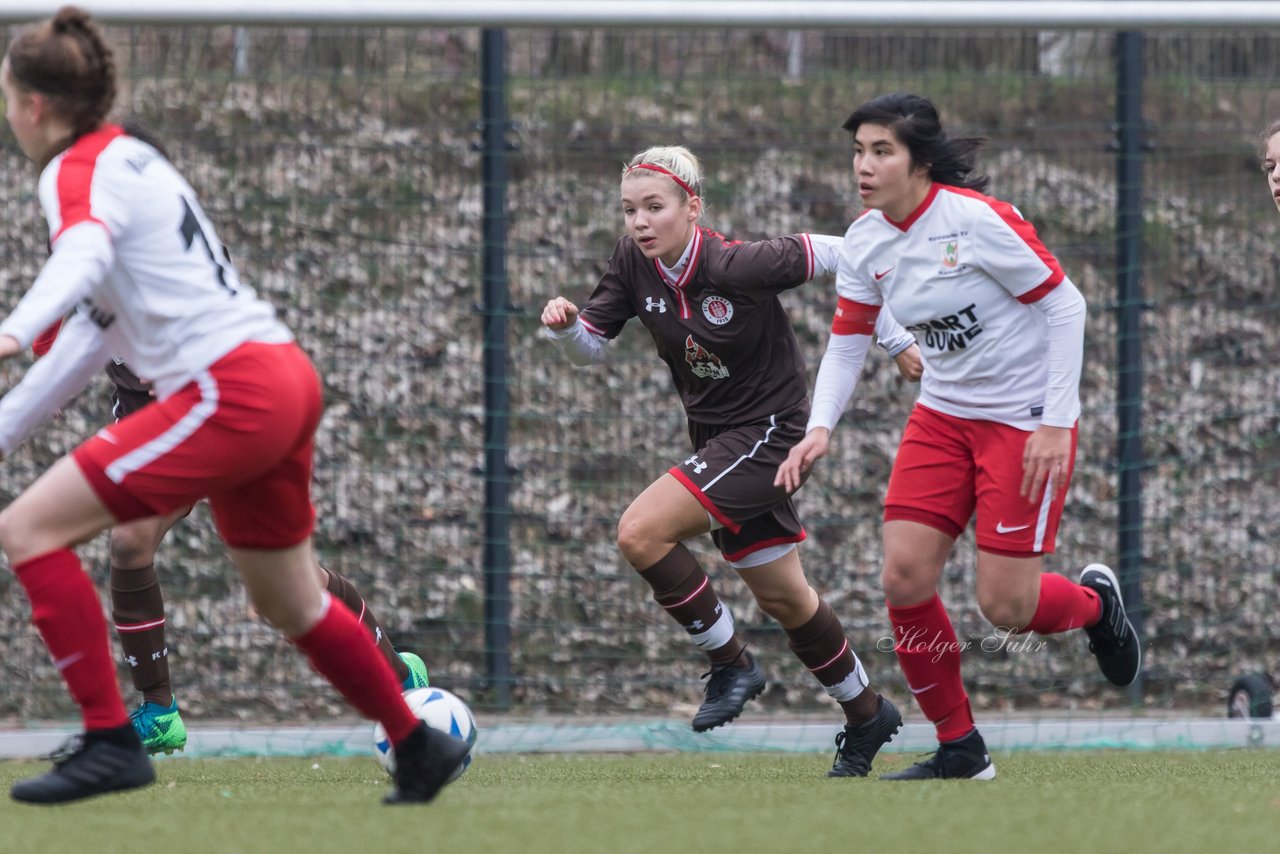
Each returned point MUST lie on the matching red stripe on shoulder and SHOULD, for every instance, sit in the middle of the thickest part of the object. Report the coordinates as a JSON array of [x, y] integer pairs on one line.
[[709, 232], [854, 318], [75, 177], [1025, 230], [1039, 291]]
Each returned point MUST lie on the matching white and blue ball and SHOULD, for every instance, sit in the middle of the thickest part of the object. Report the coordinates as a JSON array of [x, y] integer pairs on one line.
[[440, 710]]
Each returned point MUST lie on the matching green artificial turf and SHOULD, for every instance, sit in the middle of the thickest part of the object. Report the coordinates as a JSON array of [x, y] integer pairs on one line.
[[1040, 802]]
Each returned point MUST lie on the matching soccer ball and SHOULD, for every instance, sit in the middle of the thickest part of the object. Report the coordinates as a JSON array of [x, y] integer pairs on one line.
[[441, 710]]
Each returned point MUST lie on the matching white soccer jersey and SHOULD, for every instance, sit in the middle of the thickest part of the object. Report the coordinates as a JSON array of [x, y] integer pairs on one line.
[[962, 275], [134, 255]]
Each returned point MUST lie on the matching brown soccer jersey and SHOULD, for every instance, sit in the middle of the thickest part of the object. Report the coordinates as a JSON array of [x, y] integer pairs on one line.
[[129, 393], [720, 328], [118, 372]]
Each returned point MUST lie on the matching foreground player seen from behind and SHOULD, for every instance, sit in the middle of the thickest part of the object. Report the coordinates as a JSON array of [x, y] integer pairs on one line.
[[237, 405], [1001, 330], [711, 305], [137, 602]]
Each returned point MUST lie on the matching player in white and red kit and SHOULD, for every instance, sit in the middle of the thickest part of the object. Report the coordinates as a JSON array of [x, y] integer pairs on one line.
[[237, 406], [993, 435], [711, 306], [137, 603]]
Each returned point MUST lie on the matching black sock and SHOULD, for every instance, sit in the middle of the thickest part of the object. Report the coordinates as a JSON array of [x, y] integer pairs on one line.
[[122, 735]]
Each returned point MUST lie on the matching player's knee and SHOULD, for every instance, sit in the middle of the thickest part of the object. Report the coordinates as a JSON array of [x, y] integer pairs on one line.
[[776, 605], [788, 607], [130, 549], [905, 584], [286, 615], [634, 541], [1006, 612]]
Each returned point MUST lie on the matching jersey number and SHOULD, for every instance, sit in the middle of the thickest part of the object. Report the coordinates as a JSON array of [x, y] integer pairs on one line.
[[191, 230]]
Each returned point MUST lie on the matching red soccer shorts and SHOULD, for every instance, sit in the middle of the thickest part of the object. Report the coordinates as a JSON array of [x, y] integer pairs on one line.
[[240, 434], [947, 467]]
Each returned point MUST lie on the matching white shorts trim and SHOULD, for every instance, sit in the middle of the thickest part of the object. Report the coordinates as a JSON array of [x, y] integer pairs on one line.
[[763, 556], [1042, 518], [153, 450]]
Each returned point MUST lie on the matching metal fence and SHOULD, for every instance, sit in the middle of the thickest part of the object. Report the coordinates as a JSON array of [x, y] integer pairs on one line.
[[348, 172]]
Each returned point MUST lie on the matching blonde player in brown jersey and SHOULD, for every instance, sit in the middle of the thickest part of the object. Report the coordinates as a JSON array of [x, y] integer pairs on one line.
[[711, 305]]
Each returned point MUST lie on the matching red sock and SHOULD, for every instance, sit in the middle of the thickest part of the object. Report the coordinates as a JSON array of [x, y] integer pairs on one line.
[[66, 610], [1063, 606], [342, 651], [929, 655]]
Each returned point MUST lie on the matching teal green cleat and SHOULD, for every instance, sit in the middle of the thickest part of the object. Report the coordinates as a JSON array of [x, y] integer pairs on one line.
[[160, 728], [417, 672]]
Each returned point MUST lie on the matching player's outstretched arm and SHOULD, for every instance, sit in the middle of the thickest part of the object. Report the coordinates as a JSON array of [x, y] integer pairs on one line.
[[579, 343]]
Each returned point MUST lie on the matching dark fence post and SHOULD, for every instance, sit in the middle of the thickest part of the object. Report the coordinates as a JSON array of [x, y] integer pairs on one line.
[[497, 471], [1129, 307]]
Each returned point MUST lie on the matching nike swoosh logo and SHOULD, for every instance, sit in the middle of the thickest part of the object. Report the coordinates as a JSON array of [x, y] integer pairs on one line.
[[880, 276], [922, 690], [107, 437], [64, 663], [1001, 529]]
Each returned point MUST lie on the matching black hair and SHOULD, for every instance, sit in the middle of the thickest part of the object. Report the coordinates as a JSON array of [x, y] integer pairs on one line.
[[914, 121]]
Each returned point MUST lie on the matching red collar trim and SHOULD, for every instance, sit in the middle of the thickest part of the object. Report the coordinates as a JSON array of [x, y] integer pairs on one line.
[[919, 211], [694, 254]]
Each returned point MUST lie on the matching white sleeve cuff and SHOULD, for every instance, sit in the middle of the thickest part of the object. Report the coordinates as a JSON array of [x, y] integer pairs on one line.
[[826, 253], [890, 336], [579, 346]]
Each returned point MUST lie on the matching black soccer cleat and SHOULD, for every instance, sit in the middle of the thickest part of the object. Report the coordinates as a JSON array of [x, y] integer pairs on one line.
[[728, 690], [963, 759], [1112, 639], [84, 767], [425, 762], [857, 746]]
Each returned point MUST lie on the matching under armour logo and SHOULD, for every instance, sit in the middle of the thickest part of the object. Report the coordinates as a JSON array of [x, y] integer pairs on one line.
[[660, 305], [696, 624], [133, 662], [697, 466]]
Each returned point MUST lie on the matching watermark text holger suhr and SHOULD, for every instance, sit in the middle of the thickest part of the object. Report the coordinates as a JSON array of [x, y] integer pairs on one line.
[[1001, 639]]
